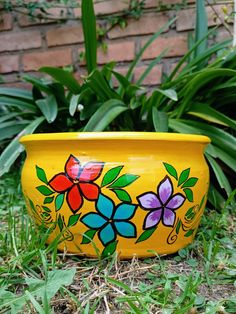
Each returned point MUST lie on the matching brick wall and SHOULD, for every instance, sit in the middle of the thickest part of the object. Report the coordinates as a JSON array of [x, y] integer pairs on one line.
[[26, 44]]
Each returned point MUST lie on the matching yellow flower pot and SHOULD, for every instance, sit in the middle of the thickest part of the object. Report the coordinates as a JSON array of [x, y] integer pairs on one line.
[[129, 192]]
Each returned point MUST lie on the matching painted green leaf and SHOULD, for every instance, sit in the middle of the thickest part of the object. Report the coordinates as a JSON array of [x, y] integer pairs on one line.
[[88, 236], [202, 201], [59, 201], [178, 226], [189, 233], [189, 194], [183, 176], [45, 215], [60, 222], [111, 175], [189, 211], [146, 234], [41, 175], [109, 249], [122, 195], [46, 209], [44, 190], [190, 183], [48, 199], [171, 170], [124, 180], [73, 220]]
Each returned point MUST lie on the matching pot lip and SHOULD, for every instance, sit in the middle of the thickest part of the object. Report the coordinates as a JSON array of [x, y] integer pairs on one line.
[[88, 136]]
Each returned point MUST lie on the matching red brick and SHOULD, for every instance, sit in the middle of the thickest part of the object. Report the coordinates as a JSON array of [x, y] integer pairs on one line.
[[20, 40], [24, 20], [153, 78], [6, 21], [65, 35], [147, 24], [186, 18], [110, 7], [34, 60], [176, 45], [122, 51], [9, 64]]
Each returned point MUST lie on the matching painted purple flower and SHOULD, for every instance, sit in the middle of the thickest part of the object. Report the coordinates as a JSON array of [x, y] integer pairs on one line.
[[162, 205]]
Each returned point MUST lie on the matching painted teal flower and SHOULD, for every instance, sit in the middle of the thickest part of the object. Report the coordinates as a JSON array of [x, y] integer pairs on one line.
[[111, 220]]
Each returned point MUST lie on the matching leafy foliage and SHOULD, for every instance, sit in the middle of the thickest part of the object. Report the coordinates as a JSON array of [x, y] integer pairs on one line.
[[197, 97]]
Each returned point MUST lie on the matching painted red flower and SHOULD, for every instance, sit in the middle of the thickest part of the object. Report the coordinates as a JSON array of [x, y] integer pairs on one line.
[[77, 181]]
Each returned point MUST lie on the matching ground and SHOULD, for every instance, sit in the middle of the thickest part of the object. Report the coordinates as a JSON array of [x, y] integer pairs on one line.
[[35, 278]]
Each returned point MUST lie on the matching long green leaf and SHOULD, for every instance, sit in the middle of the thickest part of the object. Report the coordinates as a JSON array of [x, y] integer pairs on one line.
[[10, 131], [203, 78], [90, 36], [18, 103], [147, 44], [22, 94], [207, 113], [63, 77], [97, 82], [222, 139], [227, 158], [14, 149], [150, 67], [200, 27], [48, 107], [221, 178], [160, 120], [105, 115]]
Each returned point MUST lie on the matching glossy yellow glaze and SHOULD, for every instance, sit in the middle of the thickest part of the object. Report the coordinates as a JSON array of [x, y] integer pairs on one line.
[[144, 155]]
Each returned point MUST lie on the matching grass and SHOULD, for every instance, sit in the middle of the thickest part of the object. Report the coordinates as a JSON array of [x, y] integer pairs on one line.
[[35, 278]]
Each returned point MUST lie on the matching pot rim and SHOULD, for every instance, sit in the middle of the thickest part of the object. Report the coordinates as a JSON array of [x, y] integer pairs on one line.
[[88, 136]]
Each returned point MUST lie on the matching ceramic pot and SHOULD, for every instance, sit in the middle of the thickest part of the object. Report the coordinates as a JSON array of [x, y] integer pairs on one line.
[[129, 192]]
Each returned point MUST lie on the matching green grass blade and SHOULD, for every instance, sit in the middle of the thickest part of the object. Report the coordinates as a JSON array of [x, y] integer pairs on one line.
[[17, 93], [48, 107], [90, 36]]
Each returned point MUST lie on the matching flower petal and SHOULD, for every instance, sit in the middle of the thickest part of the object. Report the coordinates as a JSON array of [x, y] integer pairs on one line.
[[149, 201], [152, 219], [89, 190], [106, 234], [176, 201], [72, 167], [165, 189], [105, 206], [93, 220], [125, 229], [124, 211], [168, 217], [91, 171], [74, 199], [60, 183]]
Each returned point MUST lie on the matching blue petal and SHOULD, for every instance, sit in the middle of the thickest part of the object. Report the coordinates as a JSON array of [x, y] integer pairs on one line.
[[107, 234], [125, 229], [105, 206], [93, 220], [124, 211]]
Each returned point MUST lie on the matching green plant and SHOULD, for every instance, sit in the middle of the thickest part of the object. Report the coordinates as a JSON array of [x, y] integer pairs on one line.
[[197, 97]]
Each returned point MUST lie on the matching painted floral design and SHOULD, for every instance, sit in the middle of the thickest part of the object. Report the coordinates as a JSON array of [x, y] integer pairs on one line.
[[111, 220], [78, 182], [162, 205]]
